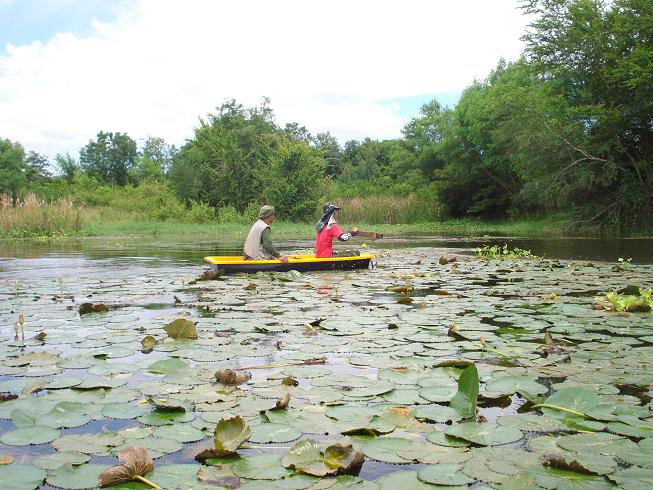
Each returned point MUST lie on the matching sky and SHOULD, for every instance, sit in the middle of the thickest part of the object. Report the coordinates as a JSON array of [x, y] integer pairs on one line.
[[355, 68]]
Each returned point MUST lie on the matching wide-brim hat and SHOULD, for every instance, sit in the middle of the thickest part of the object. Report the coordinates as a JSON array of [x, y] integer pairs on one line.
[[328, 208]]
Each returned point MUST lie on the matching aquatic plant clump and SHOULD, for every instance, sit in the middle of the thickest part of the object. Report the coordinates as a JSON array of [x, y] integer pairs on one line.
[[495, 373], [497, 252]]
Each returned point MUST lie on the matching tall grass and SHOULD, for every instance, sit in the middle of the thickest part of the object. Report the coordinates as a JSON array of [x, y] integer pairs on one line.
[[388, 210], [34, 217]]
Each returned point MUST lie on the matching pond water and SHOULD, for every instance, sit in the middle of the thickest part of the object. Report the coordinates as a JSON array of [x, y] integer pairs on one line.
[[391, 344]]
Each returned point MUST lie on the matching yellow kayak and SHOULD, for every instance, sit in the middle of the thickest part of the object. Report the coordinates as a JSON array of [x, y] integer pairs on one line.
[[302, 263]]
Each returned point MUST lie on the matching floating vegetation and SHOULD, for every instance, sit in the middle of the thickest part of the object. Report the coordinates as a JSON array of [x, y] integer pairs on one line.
[[632, 299], [326, 380], [497, 252]]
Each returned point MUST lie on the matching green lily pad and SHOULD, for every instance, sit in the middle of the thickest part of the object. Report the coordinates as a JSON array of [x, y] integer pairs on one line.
[[180, 432], [159, 417], [444, 474], [229, 434], [484, 434], [21, 477], [57, 460], [260, 467], [122, 411], [181, 329], [464, 401], [507, 385], [25, 436], [76, 477], [277, 433], [385, 449], [633, 478]]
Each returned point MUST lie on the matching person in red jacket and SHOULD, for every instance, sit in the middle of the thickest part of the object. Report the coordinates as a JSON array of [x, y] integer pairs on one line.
[[328, 229]]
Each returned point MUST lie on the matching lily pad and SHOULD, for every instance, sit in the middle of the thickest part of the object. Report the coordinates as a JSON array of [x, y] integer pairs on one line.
[[25, 436], [21, 477], [265, 433], [57, 460], [181, 329], [76, 477], [260, 467], [484, 434], [385, 449], [444, 474]]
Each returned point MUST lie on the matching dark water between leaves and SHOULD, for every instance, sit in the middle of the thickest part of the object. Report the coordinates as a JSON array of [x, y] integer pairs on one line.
[[145, 281]]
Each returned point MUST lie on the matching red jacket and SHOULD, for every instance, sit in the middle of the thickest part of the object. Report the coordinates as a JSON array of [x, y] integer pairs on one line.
[[324, 240]]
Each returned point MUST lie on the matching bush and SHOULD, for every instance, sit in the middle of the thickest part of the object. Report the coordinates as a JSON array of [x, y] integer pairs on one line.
[[229, 214], [200, 212]]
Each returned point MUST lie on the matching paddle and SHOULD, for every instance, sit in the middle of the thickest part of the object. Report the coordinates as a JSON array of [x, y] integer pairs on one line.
[[370, 234]]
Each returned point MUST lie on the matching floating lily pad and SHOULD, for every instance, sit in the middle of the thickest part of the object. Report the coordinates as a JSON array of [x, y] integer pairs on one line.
[[21, 477], [76, 477], [277, 433], [25, 436], [260, 467], [57, 460], [444, 474], [484, 434], [385, 449]]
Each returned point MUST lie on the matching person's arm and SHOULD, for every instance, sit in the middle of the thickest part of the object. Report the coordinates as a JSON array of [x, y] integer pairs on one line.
[[343, 236], [266, 241]]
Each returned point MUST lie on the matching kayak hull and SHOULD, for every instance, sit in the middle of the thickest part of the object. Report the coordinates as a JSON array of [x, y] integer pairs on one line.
[[300, 263]]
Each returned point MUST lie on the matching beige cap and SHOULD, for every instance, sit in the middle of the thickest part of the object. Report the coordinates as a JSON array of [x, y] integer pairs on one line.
[[265, 212]]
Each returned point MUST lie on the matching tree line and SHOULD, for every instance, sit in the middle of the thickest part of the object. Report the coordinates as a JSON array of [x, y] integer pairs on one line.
[[566, 129]]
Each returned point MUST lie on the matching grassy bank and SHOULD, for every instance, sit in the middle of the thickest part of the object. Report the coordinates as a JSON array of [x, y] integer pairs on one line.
[[286, 230]]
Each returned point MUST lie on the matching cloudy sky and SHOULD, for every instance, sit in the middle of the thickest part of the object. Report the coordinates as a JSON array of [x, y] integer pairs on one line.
[[70, 68]]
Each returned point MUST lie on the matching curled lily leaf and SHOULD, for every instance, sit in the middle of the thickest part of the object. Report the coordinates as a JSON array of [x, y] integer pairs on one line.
[[135, 462], [283, 401]]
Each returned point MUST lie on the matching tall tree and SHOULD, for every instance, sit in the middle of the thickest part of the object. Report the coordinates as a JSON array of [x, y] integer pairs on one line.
[[109, 158], [67, 166], [13, 169], [154, 161]]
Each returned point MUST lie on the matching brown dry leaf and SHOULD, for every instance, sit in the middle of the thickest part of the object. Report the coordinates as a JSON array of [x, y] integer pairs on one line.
[[5, 397], [6, 459], [135, 461], [251, 286], [86, 308], [283, 401], [231, 377], [565, 463]]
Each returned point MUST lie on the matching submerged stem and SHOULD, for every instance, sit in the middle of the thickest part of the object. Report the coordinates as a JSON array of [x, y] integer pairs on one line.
[[147, 482], [562, 409]]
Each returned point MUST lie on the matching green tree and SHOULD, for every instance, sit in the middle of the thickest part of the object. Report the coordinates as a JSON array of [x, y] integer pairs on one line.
[[332, 153], [109, 158], [13, 169], [598, 57], [66, 166], [37, 167], [154, 161]]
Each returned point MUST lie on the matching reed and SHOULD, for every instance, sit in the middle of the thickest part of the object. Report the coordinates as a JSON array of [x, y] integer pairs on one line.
[[388, 210], [33, 217]]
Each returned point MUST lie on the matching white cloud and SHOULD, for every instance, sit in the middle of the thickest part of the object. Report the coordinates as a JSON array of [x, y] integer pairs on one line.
[[325, 64]]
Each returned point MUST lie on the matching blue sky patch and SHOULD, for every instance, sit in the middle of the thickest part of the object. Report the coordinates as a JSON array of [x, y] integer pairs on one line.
[[24, 21], [410, 106]]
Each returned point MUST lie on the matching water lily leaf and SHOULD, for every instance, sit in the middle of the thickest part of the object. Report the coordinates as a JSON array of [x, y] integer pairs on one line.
[[21, 477], [640, 455], [218, 477], [148, 342], [122, 411], [596, 464], [166, 366], [229, 434], [507, 385], [404, 480], [97, 444], [86, 308], [160, 417], [342, 457], [57, 460], [434, 454], [181, 329], [266, 433], [531, 423], [572, 398], [385, 449], [464, 401], [597, 443], [633, 478], [134, 462], [76, 477], [25, 436], [231, 377], [283, 401], [436, 413], [65, 415], [442, 439], [484, 434], [444, 474], [260, 467], [180, 433]]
